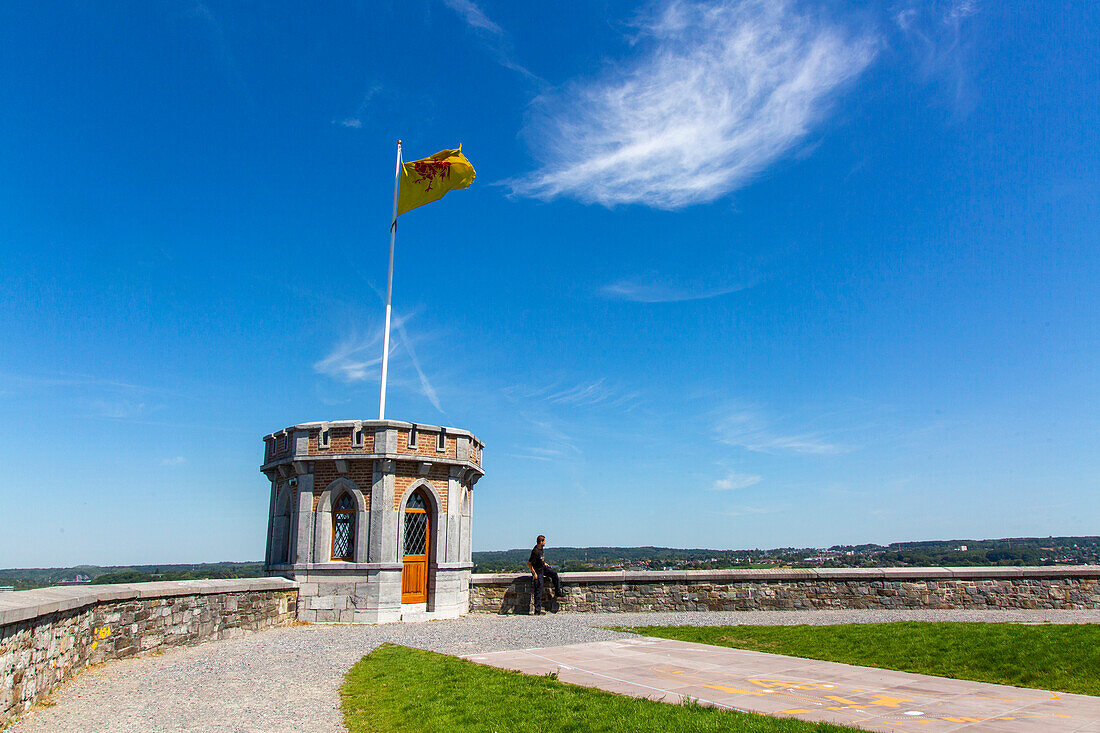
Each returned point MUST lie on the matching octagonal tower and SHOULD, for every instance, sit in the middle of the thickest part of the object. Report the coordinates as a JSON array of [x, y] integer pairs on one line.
[[372, 518]]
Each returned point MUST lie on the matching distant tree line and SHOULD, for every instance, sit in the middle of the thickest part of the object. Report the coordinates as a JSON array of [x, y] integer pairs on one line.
[[1007, 551], [30, 578]]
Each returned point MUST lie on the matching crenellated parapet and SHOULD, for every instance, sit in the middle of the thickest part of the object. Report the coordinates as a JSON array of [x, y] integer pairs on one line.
[[372, 439]]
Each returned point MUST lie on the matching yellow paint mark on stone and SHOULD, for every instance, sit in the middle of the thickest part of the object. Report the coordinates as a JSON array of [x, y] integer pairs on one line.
[[850, 703], [734, 690], [792, 685], [794, 711], [885, 701], [960, 719], [99, 635]]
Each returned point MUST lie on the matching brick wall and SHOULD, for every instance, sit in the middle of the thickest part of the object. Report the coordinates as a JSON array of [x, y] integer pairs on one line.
[[49, 635], [340, 441], [409, 473], [741, 590], [426, 444], [359, 472]]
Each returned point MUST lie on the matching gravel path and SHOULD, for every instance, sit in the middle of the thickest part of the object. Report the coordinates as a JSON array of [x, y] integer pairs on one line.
[[287, 678]]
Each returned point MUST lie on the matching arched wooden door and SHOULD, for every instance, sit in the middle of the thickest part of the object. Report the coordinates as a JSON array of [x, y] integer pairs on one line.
[[414, 570]]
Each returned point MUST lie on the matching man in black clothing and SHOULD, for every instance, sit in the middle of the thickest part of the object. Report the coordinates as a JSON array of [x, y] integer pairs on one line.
[[538, 567]]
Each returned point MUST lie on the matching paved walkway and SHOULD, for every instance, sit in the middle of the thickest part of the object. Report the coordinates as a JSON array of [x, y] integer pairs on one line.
[[873, 699], [288, 679]]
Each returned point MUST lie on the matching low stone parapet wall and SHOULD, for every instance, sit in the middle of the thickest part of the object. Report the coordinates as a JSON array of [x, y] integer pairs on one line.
[[48, 635], [1047, 587]]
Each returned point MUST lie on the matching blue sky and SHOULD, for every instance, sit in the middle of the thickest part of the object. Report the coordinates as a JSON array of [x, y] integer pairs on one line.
[[731, 275]]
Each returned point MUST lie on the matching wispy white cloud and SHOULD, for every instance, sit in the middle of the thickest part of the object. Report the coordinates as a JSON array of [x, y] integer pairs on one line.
[[591, 393], [426, 387], [355, 120], [750, 510], [115, 409], [539, 454], [176, 461], [221, 48], [358, 358], [934, 33], [473, 15], [748, 430], [495, 39], [735, 480], [654, 290], [87, 396], [575, 394], [353, 359], [716, 93]]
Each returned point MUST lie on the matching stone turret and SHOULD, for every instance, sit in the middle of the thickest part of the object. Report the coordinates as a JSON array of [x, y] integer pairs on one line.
[[372, 518]]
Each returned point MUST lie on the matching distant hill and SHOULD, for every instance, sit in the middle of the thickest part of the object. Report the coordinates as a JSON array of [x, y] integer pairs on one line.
[[29, 578], [990, 552], [936, 553]]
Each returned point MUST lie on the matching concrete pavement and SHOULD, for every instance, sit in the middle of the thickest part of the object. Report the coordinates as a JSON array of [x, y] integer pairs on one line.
[[873, 699]]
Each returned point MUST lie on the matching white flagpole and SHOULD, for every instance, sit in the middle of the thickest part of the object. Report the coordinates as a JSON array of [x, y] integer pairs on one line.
[[389, 290]]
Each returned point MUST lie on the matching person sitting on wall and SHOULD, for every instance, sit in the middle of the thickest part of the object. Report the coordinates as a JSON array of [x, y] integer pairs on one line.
[[538, 567]]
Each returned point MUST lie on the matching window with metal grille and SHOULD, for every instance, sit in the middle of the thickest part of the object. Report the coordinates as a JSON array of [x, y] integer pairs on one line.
[[441, 441], [343, 529], [412, 436], [416, 525]]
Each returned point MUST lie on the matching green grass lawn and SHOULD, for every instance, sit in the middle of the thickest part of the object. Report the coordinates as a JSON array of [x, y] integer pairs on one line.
[[395, 688], [1063, 657]]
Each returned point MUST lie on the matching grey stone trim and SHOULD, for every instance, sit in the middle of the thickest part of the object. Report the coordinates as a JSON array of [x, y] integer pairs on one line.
[[383, 535], [27, 604], [299, 462], [376, 425], [789, 574], [269, 549], [336, 567], [280, 523], [1045, 587], [301, 521]]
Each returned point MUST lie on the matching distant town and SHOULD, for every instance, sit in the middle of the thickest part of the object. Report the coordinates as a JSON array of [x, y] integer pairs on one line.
[[935, 553]]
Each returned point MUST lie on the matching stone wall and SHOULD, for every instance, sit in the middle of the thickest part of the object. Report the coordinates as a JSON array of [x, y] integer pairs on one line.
[[371, 594], [48, 635], [752, 590]]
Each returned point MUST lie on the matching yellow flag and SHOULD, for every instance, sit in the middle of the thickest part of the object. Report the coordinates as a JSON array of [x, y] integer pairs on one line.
[[428, 180]]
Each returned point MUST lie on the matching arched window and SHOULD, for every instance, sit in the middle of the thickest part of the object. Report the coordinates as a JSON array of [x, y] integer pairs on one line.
[[343, 529], [416, 525]]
